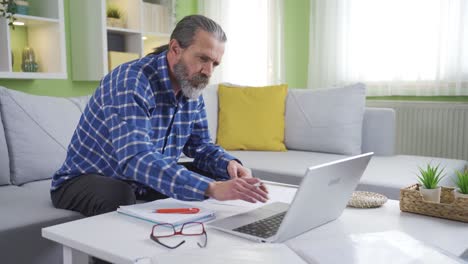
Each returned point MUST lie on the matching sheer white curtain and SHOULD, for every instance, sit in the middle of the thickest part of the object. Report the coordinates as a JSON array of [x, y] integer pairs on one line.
[[253, 53], [396, 47]]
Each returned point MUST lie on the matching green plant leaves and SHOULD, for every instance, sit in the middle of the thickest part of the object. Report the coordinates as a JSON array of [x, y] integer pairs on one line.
[[431, 176], [462, 181], [8, 10]]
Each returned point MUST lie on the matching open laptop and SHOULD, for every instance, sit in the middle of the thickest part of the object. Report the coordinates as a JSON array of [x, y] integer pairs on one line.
[[322, 196]]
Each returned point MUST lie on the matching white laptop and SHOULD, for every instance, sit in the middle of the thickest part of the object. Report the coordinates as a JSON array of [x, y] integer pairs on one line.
[[322, 196]]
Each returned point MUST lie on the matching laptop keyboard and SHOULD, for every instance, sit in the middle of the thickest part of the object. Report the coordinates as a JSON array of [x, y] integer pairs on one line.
[[263, 228]]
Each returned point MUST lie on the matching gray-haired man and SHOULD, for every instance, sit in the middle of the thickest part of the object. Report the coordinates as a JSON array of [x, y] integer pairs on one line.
[[144, 114]]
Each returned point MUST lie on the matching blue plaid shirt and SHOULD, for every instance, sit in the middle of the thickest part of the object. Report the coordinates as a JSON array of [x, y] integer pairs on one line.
[[135, 129]]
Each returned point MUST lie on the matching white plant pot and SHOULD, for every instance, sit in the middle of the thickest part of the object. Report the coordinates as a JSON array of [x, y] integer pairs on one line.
[[431, 195], [458, 194], [115, 22]]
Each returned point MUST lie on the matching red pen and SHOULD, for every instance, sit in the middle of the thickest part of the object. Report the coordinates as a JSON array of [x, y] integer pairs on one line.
[[177, 210]]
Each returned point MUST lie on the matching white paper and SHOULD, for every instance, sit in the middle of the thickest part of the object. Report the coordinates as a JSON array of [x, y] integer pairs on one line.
[[146, 211]]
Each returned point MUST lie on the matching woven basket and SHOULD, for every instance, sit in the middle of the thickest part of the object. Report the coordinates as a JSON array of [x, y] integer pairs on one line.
[[449, 207]]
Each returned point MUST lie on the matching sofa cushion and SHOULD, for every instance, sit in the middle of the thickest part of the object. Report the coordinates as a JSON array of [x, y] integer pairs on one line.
[[251, 118], [4, 159], [38, 130], [388, 174], [286, 167], [327, 120], [384, 174]]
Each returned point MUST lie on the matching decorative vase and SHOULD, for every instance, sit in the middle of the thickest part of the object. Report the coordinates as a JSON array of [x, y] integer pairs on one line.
[[115, 22], [29, 61], [22, 7], [431, 195], [458, 194]]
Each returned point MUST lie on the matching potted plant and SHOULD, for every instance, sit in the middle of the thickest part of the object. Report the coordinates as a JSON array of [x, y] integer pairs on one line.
[[429, 179], [462, 184], [8, 10], [114, 17]]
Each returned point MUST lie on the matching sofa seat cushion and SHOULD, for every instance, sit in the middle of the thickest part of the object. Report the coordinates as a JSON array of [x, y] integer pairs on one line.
[[388, 174], [30, 205], [384, 174], [286, 167]]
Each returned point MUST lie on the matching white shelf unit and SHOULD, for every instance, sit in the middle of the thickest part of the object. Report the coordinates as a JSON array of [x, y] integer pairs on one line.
[[44, 32], [92, 39]]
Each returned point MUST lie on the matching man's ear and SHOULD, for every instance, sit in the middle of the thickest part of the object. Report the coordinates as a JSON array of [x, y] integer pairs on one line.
[[174, 47]]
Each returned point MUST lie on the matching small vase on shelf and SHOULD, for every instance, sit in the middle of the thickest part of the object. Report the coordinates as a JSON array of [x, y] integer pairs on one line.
[[29, 61], [22, 7]]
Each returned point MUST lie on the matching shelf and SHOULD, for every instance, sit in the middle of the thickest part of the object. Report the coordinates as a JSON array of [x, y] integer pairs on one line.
[[125, 31], [92, 39], [43, 32], [32, 75], [34, 20]]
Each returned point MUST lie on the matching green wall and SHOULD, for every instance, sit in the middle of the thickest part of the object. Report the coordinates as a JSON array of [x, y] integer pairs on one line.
[[185, 8], [296, 42]]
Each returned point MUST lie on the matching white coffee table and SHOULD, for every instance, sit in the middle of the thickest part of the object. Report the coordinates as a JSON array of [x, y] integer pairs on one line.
[[121, 239]]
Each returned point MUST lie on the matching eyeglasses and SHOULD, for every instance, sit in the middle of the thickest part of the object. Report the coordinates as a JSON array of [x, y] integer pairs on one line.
[[168, 230]]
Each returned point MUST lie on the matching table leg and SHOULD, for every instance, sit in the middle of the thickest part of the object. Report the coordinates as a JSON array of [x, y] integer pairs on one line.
[[72, 256]]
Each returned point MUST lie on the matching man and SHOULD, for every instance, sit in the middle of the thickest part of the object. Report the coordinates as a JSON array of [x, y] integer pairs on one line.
[[144, 114]]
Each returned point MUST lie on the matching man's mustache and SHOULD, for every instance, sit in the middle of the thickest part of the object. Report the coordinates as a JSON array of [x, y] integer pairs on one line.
[[200, 78]]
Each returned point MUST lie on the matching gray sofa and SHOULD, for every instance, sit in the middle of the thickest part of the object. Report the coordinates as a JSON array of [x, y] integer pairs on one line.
[[35, 132], [386, 173]]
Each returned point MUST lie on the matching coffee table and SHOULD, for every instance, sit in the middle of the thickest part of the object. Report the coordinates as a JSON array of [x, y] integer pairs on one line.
[[122, 239]]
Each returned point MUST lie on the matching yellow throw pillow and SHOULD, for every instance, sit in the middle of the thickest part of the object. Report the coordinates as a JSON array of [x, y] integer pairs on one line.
[[252, 118]]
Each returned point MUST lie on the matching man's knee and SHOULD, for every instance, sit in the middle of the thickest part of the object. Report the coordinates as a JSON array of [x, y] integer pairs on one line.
[[110, 194]]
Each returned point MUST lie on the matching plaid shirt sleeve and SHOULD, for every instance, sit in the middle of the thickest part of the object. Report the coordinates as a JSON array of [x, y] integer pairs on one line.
[[207, 156], [128, 120]]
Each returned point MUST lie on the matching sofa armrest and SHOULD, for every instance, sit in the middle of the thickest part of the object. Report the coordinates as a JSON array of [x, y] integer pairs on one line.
[[378, 131]]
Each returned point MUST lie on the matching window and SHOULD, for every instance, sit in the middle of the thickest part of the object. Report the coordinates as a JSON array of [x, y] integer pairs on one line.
[[253, 50], [397, 47]]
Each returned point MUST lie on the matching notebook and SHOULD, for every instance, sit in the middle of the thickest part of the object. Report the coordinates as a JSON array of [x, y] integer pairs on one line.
[[146, 211], [321, 198]]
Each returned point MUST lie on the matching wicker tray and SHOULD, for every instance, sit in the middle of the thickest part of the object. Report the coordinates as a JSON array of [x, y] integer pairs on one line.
[[449, 207]]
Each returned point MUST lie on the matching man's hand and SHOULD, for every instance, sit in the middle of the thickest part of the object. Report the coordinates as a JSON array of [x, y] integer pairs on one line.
[[236, 170], [238, 188]]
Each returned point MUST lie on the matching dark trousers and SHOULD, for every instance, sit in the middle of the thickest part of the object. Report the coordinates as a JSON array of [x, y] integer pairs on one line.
[[93, 194]]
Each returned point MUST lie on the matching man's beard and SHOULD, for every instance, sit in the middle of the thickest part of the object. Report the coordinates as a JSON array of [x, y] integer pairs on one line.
[[191, 87]]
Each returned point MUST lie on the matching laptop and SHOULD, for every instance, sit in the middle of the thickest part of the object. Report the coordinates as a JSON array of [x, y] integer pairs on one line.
[[321, 197]]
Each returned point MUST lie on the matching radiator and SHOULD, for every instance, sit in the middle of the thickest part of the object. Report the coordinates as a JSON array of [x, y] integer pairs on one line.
[[430, 128]]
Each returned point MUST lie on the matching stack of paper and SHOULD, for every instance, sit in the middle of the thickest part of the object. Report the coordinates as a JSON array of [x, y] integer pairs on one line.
[[146, 211]]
